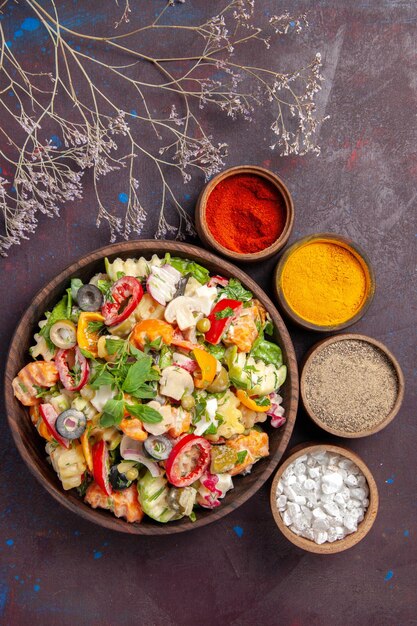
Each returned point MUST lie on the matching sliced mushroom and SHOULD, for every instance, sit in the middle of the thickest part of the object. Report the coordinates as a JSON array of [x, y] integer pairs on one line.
[[175, 382], [182, 309]]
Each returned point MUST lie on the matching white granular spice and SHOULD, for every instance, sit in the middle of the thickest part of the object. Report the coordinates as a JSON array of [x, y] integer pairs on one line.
[[322, 496]]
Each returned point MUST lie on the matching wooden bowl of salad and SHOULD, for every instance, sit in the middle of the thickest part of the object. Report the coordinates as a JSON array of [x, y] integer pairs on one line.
[[128, 387]]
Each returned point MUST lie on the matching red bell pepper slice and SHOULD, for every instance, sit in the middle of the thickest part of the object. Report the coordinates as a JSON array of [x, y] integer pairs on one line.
[[49, 415], [101, 467], [189, 448], [219, 326], [126, 293], [75, 379]]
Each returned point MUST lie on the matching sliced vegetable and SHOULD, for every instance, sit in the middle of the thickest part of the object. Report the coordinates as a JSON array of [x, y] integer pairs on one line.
[[191, 267], [126, 294], [86, 448], [218, 280], [153, 496], [184, 311], [132, 427], [268, 352], [71, 424], [175, 382], [101, 466], [151, 330], [158, 447], [63, 334], [220, 383], [276, 411], [221, 317], [162, 283], [49, 417], [212, 488], [182, 499], [188, 460], [89, 298], [88, 331], [208, 365], [252, 403], [73, 368], [132, 450]]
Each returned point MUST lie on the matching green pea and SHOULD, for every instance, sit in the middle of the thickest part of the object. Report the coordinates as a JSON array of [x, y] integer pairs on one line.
[[187, 402]]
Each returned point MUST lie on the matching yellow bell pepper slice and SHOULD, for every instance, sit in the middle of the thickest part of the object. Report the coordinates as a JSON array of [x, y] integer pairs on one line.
[[251, 404], [86, 339], [85, 444], [208, 366]]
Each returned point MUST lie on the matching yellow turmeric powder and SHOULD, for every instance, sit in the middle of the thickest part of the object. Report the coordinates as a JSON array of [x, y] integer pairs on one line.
[[324, 283]]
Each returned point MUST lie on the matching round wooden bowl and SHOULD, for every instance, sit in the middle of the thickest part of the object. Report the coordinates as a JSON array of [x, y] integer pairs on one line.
[[32, 447], [343, 337], [365, 525], [205, 233], [354, 249]]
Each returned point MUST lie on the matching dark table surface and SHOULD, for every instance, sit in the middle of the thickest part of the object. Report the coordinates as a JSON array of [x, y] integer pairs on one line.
[[59, 569]]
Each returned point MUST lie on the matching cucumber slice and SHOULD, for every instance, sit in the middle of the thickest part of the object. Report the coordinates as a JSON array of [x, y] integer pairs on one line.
[[153, 496]]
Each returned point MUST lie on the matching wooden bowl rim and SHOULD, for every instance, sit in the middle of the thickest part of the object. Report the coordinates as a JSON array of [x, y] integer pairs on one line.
[[147, 247], [205, 233], [316, 349], [358, 252], [364, 526]]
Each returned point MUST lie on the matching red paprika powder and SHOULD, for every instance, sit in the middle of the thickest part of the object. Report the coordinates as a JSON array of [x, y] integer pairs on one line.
[[245, 213]]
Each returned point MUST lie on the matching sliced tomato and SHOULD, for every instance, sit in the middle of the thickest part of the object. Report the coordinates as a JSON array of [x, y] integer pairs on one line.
[[101, 467], [126, 294], [188, 460], [49, 415], [73, 359]]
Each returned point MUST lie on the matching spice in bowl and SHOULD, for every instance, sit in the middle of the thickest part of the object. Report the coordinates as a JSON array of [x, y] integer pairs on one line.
[[245, 213], [324, 282], [322, 496], [350, 385]]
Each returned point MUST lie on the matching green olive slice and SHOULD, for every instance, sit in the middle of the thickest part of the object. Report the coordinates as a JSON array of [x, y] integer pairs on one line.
[[63, 334]]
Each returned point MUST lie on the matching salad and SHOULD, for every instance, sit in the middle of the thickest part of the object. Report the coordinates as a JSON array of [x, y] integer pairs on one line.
[[151, 384]]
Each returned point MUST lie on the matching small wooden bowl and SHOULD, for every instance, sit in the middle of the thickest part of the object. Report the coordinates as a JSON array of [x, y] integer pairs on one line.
[[365, 525], [205, 233], [32, 447], [349, 245], [363, 433]]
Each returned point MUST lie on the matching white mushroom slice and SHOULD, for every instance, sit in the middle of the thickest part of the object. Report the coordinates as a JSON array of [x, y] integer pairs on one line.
[[175, 382], [162, 283], [182, 309], [161, 427]]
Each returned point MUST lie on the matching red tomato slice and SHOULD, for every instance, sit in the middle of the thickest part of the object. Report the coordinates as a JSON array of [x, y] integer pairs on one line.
[[101, 466], [49, 415], [80, 365], [126, 292], [188, 460]]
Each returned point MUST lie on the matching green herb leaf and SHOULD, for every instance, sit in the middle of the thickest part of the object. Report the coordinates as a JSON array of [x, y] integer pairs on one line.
[[269, 327], [96, 327], [69, 302], [236, 291], [216, 350], [120, 275], [113, 412], [105, 288], [138, 374], [227, 312], [41, 391], [115, 346], [103, 379], [262, 401], [145, 413], [86, 353], [145, 392], [241, 456], [190, 267]]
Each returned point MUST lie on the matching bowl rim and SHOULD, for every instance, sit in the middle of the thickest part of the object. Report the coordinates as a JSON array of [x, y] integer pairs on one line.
[[145, 247], [316, 349], [364, 526], [205, 233], [358, 252]]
